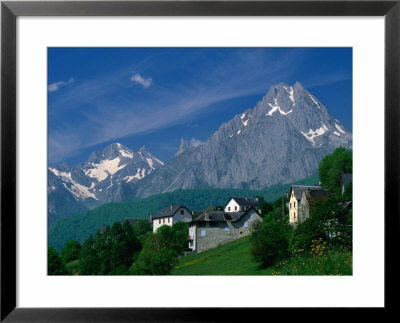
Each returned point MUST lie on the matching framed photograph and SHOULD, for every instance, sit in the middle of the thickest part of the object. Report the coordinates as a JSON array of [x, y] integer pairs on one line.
[[160, 158]]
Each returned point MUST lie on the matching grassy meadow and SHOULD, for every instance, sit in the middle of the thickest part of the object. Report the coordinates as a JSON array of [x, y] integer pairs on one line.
[[234, 259]]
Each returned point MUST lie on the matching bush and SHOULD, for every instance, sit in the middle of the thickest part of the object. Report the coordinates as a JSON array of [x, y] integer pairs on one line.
[[270, 241], [329, 220], [160, 251], [54, 263], [332, 167], [71, 251]]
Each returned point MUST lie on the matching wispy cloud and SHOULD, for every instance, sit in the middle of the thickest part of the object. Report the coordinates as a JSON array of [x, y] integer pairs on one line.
[[57, 85], [167, 103], [327, 80], [145, 82]]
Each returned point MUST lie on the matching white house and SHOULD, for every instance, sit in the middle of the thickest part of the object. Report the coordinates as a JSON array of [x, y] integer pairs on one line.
[[169, 215], [241, 204]]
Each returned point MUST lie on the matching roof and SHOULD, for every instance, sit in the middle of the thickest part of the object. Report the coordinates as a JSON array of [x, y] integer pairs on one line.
[[298, 189], [245, 201], [169, 211], [221, 216], [347, 178], [316, 195]]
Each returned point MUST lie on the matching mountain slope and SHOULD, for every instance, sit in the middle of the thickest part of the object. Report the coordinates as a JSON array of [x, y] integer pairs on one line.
[[281, 140], [106, 176]]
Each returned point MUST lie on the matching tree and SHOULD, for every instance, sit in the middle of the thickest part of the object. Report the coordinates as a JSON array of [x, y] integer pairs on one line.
[[160, 250], [329, 220], [270, 240], [332, 167], [54, 263], [70, 251], [89, 263], [141, 228], [265, 208]]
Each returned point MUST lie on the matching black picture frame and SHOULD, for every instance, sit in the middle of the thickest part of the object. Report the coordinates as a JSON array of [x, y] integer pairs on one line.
[[10, 10]]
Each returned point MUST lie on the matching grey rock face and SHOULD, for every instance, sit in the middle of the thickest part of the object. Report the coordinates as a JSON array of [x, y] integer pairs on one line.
[[281, 140]]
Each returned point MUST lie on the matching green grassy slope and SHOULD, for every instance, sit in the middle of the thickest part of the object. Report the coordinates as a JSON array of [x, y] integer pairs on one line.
[[234, 258], [79, 227]]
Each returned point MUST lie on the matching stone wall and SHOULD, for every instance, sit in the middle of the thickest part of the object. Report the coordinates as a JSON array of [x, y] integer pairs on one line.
[[218, 235]]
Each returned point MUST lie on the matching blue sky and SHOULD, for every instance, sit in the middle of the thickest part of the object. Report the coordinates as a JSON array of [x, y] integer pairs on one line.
[[155, 96]]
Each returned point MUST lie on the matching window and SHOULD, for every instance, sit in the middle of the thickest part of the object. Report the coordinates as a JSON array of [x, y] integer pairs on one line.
[[246, 224], [294, 204], [182, 211], [203, 233], [163, 220], [159, 221], [227, 229], [168, 220], [290, 205], [229, 208], [235, 208], [295, 215]]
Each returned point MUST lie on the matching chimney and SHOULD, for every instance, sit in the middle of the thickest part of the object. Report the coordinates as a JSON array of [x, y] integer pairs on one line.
[[192, 213], [151, 218], [307, 192], [246, 198], [206, 216], [171, 206]]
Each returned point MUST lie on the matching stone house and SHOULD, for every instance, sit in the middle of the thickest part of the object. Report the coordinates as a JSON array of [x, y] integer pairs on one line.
[[240, 204], [211, 229], [169, 215], [301, 199]]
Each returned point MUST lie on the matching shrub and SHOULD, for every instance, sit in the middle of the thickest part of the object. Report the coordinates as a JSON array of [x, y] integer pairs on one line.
[[270, 241]]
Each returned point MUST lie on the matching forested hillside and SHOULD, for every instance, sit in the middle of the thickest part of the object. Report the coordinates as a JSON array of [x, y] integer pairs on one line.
[[81, 226]]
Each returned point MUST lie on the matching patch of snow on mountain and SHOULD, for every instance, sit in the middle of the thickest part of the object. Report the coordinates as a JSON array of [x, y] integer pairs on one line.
[[291, 96], [325, 127], [105, 168], [311, 134], [245, 122], [242, 116], [314, 101], [238, 132], [156, 159], [276, 107], [140, 173], [150, 162], [340, 129], [125, 153], [76, 189], [336, 133]]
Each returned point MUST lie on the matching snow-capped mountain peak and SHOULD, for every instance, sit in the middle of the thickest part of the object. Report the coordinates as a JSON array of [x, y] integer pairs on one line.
[[101, 176]]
